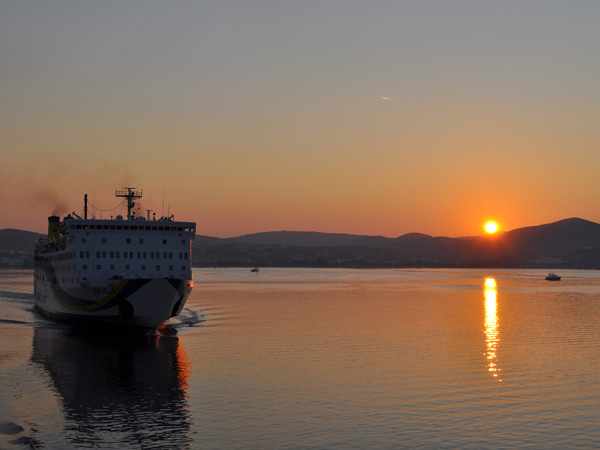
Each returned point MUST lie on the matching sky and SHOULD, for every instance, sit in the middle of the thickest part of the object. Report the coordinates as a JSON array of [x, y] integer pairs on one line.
[[342, 116]]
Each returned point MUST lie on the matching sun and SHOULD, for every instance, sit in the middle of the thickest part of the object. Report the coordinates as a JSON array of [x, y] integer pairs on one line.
[[491, 227]]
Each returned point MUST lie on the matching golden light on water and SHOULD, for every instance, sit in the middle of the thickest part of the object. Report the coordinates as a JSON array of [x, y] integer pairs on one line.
[[490, 283], [492, 334]]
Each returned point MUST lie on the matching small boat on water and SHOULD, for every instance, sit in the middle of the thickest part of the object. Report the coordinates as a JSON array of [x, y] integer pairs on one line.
[[255, 269], [552, 277]]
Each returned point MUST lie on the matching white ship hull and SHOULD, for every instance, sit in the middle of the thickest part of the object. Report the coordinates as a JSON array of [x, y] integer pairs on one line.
[[138, 303]]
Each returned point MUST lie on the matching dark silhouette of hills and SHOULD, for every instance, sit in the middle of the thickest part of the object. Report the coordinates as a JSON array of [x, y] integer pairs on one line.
[[16, 247], [300, 238], [18, 240], [569, 243], [313, 238]]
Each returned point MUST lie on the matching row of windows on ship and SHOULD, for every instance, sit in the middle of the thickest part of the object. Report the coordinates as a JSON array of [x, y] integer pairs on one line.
[[128, 241], [117, 254], [69, 267], [131, 227], [142, 267], [130, 255]]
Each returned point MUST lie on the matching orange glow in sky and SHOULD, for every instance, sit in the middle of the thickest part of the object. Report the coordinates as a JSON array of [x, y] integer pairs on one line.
[[376, 119]]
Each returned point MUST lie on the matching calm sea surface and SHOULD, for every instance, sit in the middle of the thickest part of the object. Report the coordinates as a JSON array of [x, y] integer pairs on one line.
[[317, 359]]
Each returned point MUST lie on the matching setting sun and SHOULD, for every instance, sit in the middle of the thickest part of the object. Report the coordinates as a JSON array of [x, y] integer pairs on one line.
[[491, 227]]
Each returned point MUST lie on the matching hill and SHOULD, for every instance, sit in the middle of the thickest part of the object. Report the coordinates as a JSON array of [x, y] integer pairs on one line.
[[313, 238], [16, 247], [569, 243]]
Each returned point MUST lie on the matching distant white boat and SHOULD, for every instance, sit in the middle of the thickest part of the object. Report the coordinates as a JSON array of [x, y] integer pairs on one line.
[[552, 277], [256, 269]]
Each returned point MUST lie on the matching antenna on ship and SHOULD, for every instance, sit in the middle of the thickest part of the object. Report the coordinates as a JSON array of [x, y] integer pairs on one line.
[[130, 194]]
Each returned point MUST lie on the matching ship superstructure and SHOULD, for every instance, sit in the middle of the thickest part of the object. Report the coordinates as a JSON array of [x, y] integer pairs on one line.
[[126, 271]]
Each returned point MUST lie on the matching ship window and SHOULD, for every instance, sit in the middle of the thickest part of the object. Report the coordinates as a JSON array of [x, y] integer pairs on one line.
[[154, 228], [92, 227], [104, 240], [126, 227], [112, 267], [143, 266], [139, 255], [112, 254], [81, 254], [161, 228], [180, 255], [85, 267], [165, 255], [157, 255], [157, 267], [97, 254], [179, 228], [125, 255], [129, 240], [130, 255], [134, 227], [183, 268], [183, 242], [170, 255], [98, 267], [164, 241], [78, 227], [141, 241], [104, 254], [118, 255], [171, 268], [119, 227], [83, 240], [126, 266], [112, 227], [185, 255], [151, 255], [144, 255]]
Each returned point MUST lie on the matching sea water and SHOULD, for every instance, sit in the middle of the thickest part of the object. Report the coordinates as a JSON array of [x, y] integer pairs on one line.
[[316, 359]]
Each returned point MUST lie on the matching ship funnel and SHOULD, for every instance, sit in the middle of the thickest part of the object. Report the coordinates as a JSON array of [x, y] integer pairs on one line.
[[53, 235]]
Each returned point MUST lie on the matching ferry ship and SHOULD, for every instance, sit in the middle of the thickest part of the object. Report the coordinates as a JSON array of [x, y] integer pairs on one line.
[[128, 272]]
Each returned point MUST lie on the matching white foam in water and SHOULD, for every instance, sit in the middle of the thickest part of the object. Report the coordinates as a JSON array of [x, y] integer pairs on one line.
[[189, 317]]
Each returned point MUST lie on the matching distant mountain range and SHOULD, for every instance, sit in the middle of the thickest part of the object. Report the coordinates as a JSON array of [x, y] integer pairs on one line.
[[569, 243]]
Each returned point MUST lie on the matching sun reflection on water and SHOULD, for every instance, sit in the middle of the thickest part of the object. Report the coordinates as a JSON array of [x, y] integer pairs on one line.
[[492, 335]]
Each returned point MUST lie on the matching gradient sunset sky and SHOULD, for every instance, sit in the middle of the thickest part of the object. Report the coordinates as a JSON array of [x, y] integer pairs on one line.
[[363, 117]]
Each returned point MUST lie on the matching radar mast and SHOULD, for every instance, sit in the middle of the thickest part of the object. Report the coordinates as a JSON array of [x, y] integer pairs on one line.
[[130, 194]]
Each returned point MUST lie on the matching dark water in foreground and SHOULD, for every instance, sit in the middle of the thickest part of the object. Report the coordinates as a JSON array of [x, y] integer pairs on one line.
[[317, 359]]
